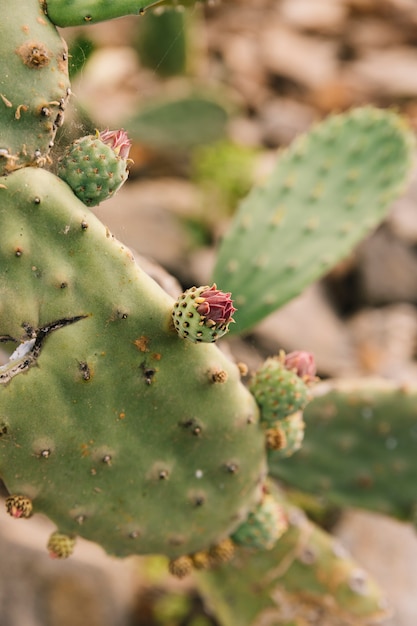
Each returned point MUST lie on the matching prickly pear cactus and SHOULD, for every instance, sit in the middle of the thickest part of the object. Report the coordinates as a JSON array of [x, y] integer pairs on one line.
[[328, 190], [108, 419], [34, 85], [307, 570], [360, 445]]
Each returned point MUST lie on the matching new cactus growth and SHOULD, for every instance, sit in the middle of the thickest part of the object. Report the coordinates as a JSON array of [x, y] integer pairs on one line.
[[281, 386], [119, 418], [203, 314], [95, 167]]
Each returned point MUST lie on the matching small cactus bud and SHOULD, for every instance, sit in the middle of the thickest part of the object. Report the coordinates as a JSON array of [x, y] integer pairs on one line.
[[278, 391], [95, 166], [302, 363], [203, 314], [201, 560], [19, 506], [181, 567], [60, 546], [222, 552]]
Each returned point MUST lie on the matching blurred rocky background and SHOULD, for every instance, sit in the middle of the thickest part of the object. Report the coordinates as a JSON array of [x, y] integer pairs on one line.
[[208, 103]]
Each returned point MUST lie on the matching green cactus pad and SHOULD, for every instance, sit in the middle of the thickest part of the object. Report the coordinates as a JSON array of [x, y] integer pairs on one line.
[[306, 564], [79, 12], [360, 448], [92, 169], [34, 85], [109, 420], [278, 391], [328, 190]]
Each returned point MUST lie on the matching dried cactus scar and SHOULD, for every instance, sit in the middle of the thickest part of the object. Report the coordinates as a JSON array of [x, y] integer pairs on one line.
[[27, 352]]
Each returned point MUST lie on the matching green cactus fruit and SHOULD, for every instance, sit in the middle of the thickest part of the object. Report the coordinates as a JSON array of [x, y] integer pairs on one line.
[[306, 564], [279, 391], [203, 314], [95, 167], [19, 506], [60, 546], [328, 190], [264, 526], [107, 418], [79, 12], [34, 85], [360, 448], [286, 437]]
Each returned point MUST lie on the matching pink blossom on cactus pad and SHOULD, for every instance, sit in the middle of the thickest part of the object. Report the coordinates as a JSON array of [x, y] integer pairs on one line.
[[118, 141], [302, 363], [216, 306]]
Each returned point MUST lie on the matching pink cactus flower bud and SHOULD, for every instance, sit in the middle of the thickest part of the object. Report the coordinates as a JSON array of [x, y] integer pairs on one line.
[[118, 141], [302, 363], [216, 306]]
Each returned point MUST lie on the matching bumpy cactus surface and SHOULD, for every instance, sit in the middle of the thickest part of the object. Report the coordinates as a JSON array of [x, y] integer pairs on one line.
[[113, 423], [108, 418], [306, 566], [360, 448], [327, 191], [34, 85]]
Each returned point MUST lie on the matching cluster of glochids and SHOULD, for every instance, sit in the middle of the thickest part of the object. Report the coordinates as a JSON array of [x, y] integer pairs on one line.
[[281, 389]]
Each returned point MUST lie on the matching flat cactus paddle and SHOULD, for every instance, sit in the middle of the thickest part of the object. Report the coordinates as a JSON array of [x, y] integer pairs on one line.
[[111, 424], [328, 190]]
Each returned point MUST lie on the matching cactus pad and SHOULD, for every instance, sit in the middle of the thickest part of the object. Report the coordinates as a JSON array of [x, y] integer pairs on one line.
[[360, 448], [328, 190], [109, 419], [34, 85]]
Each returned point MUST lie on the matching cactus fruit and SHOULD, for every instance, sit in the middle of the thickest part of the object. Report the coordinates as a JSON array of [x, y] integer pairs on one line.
[[203, 314], [279, 391], [19, 506], [34, 86], [95, 166], [305, 564], [111, 419], [60, 546], [360, 445], [328, 190]]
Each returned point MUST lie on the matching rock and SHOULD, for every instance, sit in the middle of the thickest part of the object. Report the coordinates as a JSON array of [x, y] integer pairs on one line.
[[282, 119], [309, 61], [387, 269], [324, 16], [387, 550], [310, 323], [385, 339], [390, 73], [89, 589], [146, 217]]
